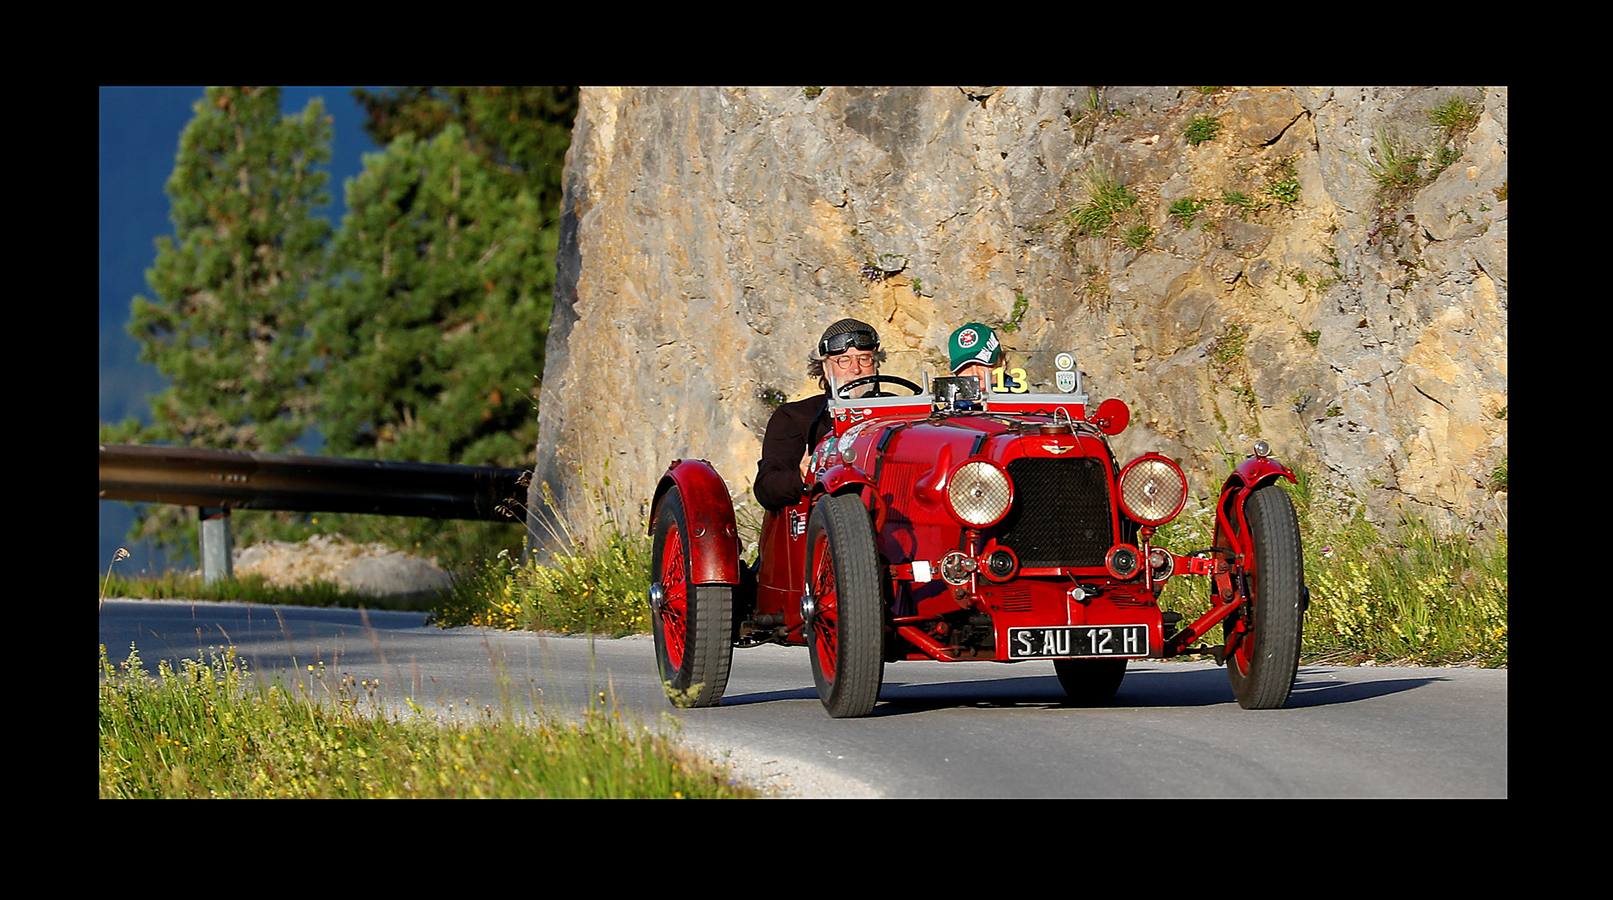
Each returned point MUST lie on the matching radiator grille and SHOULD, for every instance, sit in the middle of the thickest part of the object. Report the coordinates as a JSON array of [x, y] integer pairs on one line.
[[1061, 513]]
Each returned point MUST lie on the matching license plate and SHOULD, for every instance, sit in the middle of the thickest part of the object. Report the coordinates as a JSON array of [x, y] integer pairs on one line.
[[1077, 640]]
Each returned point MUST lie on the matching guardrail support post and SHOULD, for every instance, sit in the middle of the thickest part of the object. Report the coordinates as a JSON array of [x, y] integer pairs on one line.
[[215, 543]]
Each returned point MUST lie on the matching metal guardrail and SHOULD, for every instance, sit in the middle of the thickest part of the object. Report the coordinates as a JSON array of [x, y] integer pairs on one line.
[[231, 480]]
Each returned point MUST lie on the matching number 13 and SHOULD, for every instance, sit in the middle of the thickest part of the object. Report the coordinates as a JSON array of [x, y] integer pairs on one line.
[[1019, 381]]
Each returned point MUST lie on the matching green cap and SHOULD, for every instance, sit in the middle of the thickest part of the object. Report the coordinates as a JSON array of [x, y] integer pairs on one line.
[[974, 343]]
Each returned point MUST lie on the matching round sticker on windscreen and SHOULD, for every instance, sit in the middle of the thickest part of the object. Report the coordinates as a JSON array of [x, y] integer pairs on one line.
[[1064, 361]]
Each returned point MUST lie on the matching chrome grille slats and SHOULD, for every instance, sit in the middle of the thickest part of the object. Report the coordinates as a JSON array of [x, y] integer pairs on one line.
[[1061, 512]]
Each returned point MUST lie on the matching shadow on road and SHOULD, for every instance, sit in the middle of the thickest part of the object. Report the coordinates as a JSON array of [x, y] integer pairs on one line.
[[1141, 690]]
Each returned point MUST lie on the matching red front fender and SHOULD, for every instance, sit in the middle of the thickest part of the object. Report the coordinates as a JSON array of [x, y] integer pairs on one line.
[[1251, 474], [837, 479], [713, 539]]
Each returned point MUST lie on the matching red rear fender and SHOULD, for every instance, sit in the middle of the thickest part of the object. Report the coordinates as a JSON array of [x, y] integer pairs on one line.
[[713, 539]]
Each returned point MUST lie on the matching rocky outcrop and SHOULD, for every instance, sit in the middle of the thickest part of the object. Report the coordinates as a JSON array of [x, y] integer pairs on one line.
[[373, 570], [709, 235]]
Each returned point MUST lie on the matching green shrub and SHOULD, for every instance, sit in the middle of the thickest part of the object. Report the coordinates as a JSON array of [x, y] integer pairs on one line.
[[1443, 157], [1137, 238], [1242, 203], [771, 396], [1185, 210], [1284, 185], [1202, 129], [1406, 595], [1228, 347], [1455, 115], [589, 589], [1107, 198], [1313, 337], [1018, 315], [1396, 168]]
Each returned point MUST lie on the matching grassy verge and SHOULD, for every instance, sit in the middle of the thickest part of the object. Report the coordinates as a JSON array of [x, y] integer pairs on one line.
[[210, 730], [255, 589], [1405, 595], [600, 591], [1398, 595]]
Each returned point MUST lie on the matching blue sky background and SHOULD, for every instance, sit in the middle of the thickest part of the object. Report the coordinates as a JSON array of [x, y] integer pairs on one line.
[[139, 137]]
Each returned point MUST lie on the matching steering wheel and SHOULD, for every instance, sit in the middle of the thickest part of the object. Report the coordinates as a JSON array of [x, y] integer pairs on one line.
[[876, 379]]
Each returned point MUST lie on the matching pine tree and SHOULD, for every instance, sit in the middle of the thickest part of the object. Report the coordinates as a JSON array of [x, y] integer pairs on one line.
[[231, 284], [226, 320], [432, 332], [523, 131]]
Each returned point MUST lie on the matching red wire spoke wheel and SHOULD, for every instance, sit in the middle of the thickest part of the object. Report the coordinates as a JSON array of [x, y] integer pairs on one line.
[[692, 623], [823, 590], [1263, 636], [675, 608], [847, 628]]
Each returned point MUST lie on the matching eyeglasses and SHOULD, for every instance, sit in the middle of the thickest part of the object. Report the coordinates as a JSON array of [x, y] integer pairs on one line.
[[840, 343], [854, 360]]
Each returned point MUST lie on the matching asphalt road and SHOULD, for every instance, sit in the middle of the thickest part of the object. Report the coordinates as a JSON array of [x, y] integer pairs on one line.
[[939, 731]]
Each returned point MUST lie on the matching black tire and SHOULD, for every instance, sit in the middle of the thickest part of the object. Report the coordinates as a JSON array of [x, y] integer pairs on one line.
[[1090, 682], [693, 666], [1263, 675], [851, 618]]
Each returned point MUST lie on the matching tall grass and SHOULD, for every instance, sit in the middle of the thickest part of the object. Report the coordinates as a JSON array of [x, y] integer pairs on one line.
[[1402, 593], [1107, 199], [599, 590], [255, 589], [1405, 594], [208, 729], [592, 579]]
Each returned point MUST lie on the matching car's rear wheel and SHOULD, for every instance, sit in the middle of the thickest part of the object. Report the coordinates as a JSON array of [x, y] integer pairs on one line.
[[693, 623], [847, 634], [1264, 658], [1090, 682]]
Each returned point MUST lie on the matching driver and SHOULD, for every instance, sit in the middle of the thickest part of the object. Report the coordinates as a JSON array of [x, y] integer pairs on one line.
[[848, 349]]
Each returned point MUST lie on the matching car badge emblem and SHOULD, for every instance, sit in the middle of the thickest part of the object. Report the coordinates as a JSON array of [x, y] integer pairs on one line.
[[1055, 448], [1066, 381]]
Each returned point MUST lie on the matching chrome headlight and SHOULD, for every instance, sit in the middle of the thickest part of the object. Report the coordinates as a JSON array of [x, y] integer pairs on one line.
[[1152, 489], [979, 493]]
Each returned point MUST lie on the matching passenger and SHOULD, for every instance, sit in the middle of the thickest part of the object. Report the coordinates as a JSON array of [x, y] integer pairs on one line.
[[975, 351], [848, 349]]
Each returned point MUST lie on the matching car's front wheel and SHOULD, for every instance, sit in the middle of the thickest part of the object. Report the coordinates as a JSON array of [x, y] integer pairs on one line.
[[846, 634], [692, 622], [1264, 660]]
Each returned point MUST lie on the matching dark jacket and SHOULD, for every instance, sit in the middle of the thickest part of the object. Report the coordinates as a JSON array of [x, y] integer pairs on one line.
[[794, 429]]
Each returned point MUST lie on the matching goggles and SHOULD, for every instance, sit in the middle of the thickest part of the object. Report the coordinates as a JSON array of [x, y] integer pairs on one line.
[[840, 343]]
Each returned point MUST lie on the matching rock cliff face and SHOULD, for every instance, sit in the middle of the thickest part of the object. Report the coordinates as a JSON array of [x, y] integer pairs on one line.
[[1282, 274]]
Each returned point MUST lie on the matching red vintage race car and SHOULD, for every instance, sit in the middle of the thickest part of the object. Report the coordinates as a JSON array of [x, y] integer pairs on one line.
[[962, 523]]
